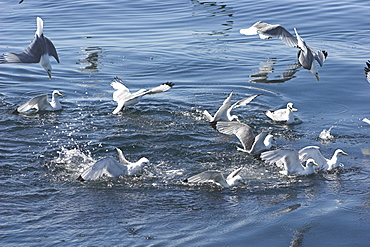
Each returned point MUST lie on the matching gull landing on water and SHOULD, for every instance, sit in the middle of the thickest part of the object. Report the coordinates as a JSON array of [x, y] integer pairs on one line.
[[218, 178], [41, 103], [124, 97], [110, 167], [306, 55], [251, 144], [37, 52], [313, 152], [289, 161], [224, 112]]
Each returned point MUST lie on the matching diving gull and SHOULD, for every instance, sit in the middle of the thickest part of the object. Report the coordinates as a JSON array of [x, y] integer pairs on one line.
[[306, 55], [313, 152], [289, 161], [37, 52], [282, 115], [124, 97], [218, 178], [367, 71], [110, 167], [41, 103], [251, 144], [224, 112]]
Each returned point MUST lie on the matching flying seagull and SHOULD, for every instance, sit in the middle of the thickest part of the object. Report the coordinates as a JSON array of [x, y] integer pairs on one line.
[[110, 167], [306, 55], [289, 161], [124, 97], [41, 103], [313, 152], [218, 178], [251, 144], [282, 115], [224, 112], [37, 52]]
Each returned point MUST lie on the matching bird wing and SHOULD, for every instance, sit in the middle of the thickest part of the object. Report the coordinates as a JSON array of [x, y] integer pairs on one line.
[[161, 88], [34, 103], [221, 113], [208, 176], [242, 131], [208, 115], [243, 102], [367, 71], [51, 49], [266, 31], [258, 144], [320, 57], [121, 93], [122, 158], [31, 54], [277, 156], [105, 167], [313, 152], [234, 173], [292, 163]]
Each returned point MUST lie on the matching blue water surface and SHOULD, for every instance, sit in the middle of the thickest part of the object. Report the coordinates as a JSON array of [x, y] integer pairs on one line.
[[197, 46]]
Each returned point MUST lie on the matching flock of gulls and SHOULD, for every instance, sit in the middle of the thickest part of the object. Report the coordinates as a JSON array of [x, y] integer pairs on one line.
[[305, 161]]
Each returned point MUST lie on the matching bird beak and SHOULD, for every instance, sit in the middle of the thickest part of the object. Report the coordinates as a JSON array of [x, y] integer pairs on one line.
[[59, 94], [293, 109], [49, 74], [315, 164], [317, 78], [345, 154]]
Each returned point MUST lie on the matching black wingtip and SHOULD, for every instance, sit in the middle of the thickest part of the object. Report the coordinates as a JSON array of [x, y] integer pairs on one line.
[[325, 53], [117, 79], [171, 84], [80, 179], [15, 112], [213, 124], [367, 69]]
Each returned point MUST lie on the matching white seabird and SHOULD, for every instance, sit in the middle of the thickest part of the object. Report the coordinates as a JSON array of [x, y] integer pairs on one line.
[[110, 167], [218, 178], [251, 144], [313, 152], [306, 55], [282, 115], [41, 103], [224, 112], [124, 97], [37, 52], [289, 161]]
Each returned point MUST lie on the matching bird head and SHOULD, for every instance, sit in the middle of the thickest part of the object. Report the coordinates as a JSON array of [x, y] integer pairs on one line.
[[56, 92], [290, 107]]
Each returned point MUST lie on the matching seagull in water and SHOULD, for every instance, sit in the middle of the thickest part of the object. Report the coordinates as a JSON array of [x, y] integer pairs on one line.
[[224, 112], [124, 98], [218, 178], [306, 55], [37, 52], [251, 144], [41, 103], [282, 115], [313, 152], [110, 167], [367, 71], [289, 161]]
